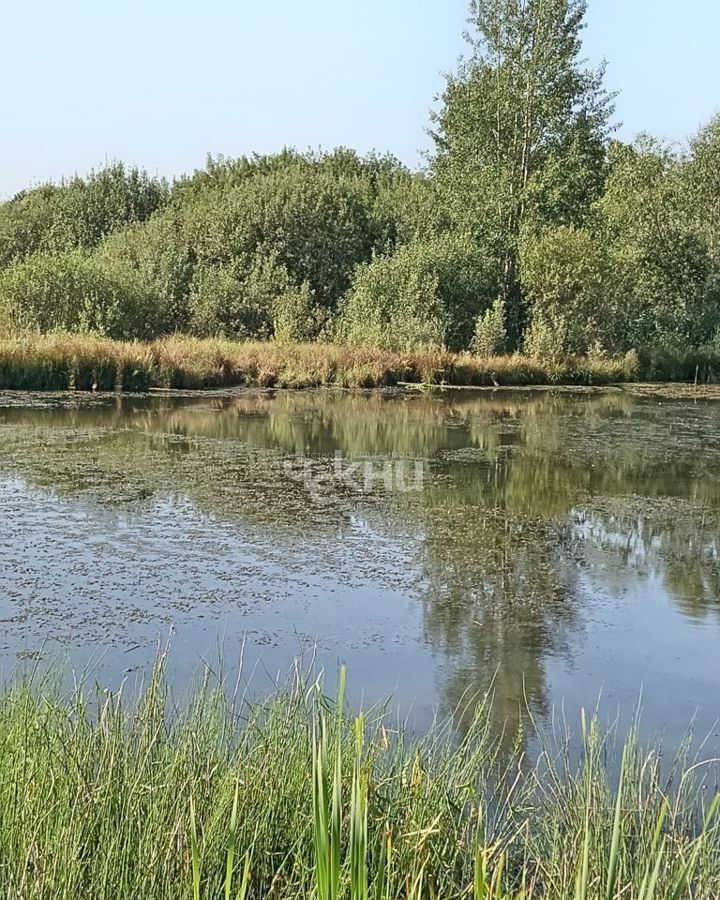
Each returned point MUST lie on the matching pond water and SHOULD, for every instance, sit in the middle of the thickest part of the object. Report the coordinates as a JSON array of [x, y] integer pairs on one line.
[[559, 546]]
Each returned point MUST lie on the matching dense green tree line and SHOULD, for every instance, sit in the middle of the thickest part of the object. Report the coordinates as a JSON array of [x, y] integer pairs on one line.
[[532, 228]]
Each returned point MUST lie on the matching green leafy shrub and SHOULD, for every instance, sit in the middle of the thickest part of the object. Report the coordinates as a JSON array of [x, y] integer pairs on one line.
[[161, 261], [296, 318], [545, 341], [490, 338], [569, 285], [315, 224], [407, 208], [425, 295], [74, 292], [661, 245], [79, 212], [255, 301], [395, 306]]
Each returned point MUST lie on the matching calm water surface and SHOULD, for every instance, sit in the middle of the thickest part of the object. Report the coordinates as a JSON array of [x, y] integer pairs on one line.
[[560, 546]]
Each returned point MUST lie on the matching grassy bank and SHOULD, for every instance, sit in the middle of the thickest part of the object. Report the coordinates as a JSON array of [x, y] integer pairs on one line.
[[76, 362], [67, 362], [292, 798]]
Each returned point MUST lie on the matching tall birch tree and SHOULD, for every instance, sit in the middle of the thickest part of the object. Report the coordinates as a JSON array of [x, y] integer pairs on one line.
[[521, 136]]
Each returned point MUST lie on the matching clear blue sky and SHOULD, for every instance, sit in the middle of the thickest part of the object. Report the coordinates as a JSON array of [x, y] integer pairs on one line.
[[161, 83]]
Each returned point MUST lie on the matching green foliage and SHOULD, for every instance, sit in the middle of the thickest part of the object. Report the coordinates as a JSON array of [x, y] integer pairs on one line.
[[394, 304], [74, 292], [78, 213], [542, 341], [490, 338], [223, 174], [237, 302], [318, 225], [247, 248], [144, 796], [702, 184], [296, 318], [314, 219], [568, 281], [649, 223], [161, 262], [522, 130], [258, 302], [223, 304], [408, 208], [427, 294], [592, 246]]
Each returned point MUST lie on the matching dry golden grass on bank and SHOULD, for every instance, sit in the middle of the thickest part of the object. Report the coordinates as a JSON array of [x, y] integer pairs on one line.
[[79, 362], [59, 362]]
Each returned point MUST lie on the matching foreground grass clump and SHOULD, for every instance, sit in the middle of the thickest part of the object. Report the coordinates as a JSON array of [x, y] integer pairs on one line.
[[67, 362], [290, 797]]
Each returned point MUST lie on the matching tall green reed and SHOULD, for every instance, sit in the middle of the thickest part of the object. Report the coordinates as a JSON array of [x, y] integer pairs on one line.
[[108, 794]]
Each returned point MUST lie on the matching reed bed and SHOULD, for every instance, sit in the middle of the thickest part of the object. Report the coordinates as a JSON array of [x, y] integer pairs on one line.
[[77, 362], [104, 795]]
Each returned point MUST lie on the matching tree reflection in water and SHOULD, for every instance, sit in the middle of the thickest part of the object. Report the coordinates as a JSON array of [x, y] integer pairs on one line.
[[524, 493]]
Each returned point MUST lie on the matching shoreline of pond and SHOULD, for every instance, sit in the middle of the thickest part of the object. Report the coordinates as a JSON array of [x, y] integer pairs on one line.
[[59, 362], [660, 391]]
